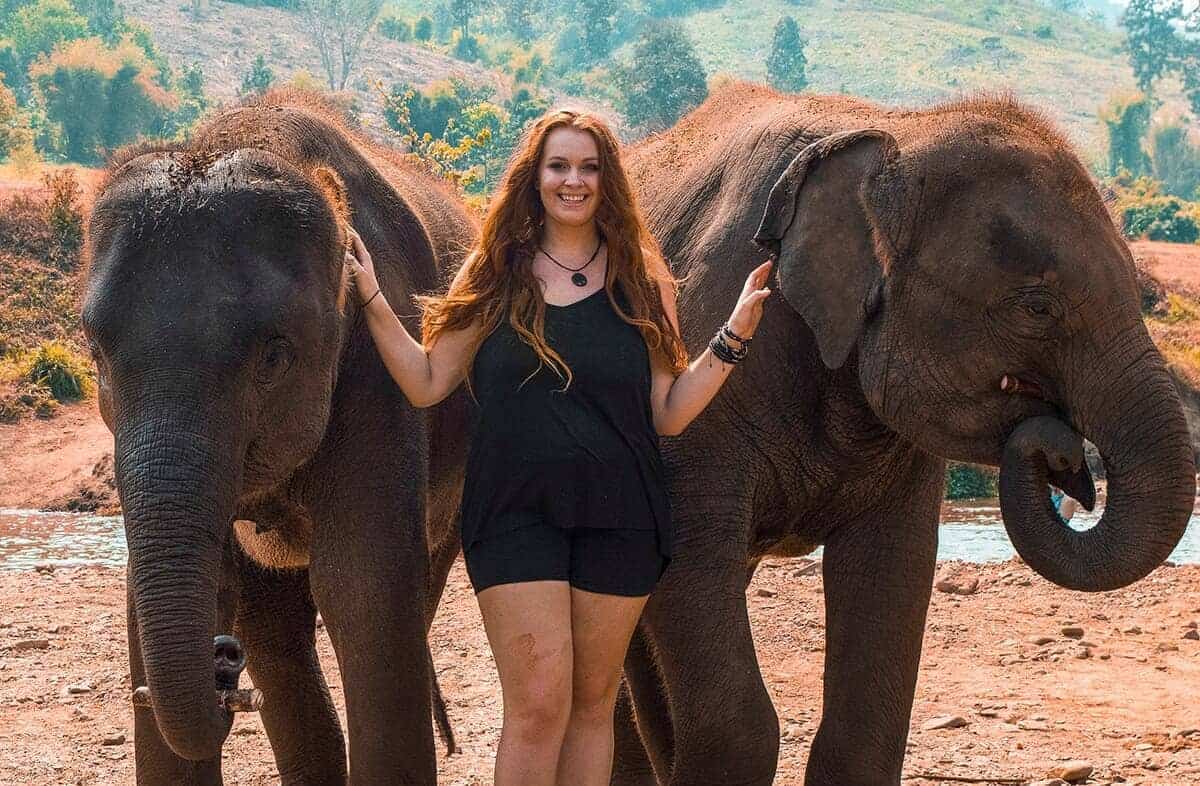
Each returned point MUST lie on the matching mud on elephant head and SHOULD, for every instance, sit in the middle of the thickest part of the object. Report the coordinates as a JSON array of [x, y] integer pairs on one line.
[[994, 312]]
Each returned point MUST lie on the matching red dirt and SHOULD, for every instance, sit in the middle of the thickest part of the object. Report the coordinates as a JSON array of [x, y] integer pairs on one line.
[[1127, 708], [1176, 265]]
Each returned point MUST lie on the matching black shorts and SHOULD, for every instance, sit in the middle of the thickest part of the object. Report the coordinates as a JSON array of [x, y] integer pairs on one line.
[[606, 561]]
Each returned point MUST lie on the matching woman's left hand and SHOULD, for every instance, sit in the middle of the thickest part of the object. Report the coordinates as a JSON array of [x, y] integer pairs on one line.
[[749, 309]]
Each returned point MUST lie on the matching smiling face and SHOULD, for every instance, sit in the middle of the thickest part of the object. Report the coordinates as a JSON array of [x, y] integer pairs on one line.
[[569, 176]]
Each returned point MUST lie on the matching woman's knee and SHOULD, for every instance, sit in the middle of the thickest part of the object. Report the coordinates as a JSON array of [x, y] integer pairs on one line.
[[594, 698], [539, 706]]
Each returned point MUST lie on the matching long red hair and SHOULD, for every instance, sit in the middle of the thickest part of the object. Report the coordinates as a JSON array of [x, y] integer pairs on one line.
[[497, 280]]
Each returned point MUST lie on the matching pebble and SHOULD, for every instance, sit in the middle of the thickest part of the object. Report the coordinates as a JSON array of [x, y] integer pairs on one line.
[[31, 644], [765, 592], [1033, 725], [1038, 641], [1192, 635], [1072, 771], [81, 688], [945, 722], [113, 739], [1072, 632], [958, 586]]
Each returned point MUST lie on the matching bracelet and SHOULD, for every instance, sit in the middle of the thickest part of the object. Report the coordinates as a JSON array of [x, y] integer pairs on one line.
[[728, 332], [372, 297], [726, 353]]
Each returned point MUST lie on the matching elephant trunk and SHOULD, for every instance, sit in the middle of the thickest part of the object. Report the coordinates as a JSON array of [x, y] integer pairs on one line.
[[1136, 422], [177, 488]]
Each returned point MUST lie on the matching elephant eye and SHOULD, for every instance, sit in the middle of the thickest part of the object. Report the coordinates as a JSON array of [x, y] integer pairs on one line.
[[276, 359], [1038, 309]]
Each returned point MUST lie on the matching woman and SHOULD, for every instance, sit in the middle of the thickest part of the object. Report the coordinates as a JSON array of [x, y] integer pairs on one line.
[[563, 321]]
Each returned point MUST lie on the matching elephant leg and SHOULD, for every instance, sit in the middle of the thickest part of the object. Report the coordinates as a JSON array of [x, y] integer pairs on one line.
[[277, 624], [649, 726], [878, 577], [155, 764], [725, 728], [369, 574]]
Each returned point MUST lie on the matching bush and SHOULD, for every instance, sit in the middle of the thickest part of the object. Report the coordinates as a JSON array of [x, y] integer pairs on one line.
[[258, 79], [467, 48], [786, 64], [970, 481], [62, 371], [423, 29], [64, 216], [1159, 218], [1174, 158], [1043, 31], [395, 28]]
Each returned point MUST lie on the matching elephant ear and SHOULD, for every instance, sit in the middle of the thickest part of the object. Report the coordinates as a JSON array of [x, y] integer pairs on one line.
[[828, 224]]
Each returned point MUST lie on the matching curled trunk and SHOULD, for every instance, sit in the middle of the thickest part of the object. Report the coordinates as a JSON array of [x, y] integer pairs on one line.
[[1137, 424]]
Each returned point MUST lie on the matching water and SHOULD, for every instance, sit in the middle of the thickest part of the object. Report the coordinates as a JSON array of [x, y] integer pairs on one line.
[[970, 531]]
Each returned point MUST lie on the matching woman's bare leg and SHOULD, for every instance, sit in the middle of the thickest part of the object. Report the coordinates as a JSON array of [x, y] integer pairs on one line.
[[529, 628], [601, 626]]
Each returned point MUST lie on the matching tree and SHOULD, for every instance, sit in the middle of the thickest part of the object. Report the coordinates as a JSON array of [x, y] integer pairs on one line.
[[1150, 38], [1174, 158], [258, 79], [461, 12], [37, 28], [98, 98], [104, 18], [786, 64], [339, 27], [1126, 117], [664, 80], [596, 17], [519, 16], [423, 29]]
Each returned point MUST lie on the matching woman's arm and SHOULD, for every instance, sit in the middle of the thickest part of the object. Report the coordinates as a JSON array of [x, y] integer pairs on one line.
[[425, 377], [677, 400]]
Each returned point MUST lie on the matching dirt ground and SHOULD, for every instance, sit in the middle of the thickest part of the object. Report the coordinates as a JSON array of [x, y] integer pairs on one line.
[[1121, 694]]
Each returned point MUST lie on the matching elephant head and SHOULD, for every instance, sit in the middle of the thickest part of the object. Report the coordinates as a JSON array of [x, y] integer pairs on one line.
[[213, 308], [967, 262]]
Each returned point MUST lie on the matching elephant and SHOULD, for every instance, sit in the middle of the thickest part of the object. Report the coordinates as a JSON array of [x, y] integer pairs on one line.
[[267, 464], [948, 285]]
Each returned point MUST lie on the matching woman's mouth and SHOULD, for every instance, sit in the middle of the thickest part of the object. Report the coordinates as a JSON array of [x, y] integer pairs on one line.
[[572, 200]]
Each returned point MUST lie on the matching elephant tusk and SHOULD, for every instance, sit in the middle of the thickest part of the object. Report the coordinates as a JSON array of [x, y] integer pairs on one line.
[[238, 700], [1017, 386]]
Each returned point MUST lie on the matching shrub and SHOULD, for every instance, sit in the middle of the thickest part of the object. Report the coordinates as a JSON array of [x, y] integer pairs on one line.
[[64, 216], [1044, 31], [62, 371], [1159, 218], [1175, 159], [786, 64], [395, 28], [969, 481], [467, 48], [423, 29], [258, 79]]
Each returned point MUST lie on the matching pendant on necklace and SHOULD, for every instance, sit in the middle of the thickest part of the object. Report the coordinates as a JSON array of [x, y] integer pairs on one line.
[[579, 280]]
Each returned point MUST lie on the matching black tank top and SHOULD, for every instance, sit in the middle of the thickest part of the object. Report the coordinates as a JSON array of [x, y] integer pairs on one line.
[[584, 457]]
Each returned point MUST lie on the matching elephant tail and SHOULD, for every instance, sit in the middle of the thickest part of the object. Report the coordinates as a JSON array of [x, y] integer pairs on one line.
[[440, 716]]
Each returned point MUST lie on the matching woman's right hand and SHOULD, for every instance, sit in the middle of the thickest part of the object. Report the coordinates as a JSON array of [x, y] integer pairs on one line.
[[362, 269]]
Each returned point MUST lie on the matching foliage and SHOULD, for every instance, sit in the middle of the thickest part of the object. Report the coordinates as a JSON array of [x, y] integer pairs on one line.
[[663, 79], [1175, 159], [104, 18], [519, 16], [1126, 118], [970, 481], [36, 29], [14, 123], [1150, 38], [64, 216], [1160, 218], [786, 64], [423, 29], [97, 98], [338, 28], [258, 79], [467, 48], [460, 130], [461, 12], [192, 101], [597, 24], [65, 373], [1043, 31], [395, 28]]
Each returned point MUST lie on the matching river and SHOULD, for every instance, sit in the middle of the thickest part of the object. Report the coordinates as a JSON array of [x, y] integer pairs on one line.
[[971, 530]]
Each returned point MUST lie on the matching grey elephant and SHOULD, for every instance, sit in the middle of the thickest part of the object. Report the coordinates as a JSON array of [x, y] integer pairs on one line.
[[950, 285], [267, 465]]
